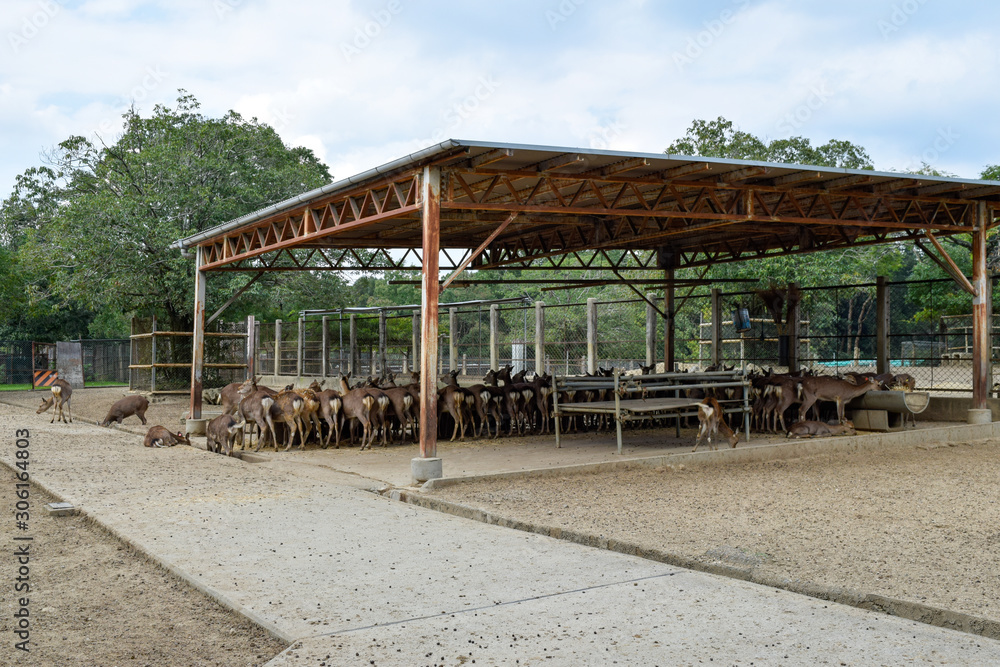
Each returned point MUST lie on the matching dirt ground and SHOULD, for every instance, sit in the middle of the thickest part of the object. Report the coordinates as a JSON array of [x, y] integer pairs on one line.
[[919, 524], [94, 602]]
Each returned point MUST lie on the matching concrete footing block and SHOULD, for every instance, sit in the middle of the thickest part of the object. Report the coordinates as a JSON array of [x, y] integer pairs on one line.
[[422, 470], [195, 426], [980, 416]]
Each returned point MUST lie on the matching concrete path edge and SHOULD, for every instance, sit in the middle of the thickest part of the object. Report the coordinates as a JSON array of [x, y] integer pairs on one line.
[[140, 549], [750, 454], [912, 611]]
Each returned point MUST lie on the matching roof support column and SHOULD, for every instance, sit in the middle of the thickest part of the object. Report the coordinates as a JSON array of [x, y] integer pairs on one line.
[[428, 466], [982, 366], [198, 344]]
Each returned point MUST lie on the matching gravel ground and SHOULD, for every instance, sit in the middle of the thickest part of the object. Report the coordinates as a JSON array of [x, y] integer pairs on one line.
[[920, 524]]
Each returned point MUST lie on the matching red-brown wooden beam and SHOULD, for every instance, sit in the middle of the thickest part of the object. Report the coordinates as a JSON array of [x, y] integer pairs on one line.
[[431, 203], [982, 349]]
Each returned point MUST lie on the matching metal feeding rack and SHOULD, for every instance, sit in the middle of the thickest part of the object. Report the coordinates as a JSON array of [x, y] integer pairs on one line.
[[652, 402]]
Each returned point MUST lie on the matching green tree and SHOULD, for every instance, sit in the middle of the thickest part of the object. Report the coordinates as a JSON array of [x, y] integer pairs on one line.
[[166, 177], [719, 138]]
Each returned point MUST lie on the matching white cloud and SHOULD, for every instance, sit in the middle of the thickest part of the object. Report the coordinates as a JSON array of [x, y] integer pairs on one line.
[[606, 77]]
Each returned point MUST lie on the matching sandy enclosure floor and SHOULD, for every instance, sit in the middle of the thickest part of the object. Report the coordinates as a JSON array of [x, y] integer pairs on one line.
[[920, 524]]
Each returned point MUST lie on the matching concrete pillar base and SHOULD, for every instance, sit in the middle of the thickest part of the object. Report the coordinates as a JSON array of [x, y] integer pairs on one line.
[[195, 426], [422, 470], [980, 416]]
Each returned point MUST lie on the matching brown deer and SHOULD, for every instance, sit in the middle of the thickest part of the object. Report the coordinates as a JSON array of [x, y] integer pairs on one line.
[[359, 405], [815, 429], [61, 395], [257, 406], [222, 433], [161, 436], [710, 420], [126, 407], [330, 411], [229, 397], [822, 388], [455, 401]]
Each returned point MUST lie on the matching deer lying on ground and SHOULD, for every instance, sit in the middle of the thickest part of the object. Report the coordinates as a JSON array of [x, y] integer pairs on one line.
[[161, 436], [61, 395], [814, 429], [710, 420], [126, 407], [822, 388], [223, 433]]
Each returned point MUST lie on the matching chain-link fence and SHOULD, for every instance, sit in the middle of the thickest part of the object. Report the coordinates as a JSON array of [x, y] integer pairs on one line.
[[837, 333], [104, 361], [15, 362]]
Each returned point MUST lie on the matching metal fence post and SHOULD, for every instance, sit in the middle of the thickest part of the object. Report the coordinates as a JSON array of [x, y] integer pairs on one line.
[[494, 337], [881, 325], [591, 335], [794, 334], [355, 362], [383, 343], [277, 348], [301, 344], [326, 346], [416, 340], [251, 345], [539, 337], [452, 340], [716, 358], [152, 361], [651, 333]]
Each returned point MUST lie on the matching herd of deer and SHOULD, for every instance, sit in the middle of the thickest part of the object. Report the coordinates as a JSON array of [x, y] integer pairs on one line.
[[382, 409]]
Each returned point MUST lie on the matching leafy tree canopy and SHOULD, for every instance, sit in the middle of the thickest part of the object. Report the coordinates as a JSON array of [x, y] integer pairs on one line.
[[719, 138], [101, 216]]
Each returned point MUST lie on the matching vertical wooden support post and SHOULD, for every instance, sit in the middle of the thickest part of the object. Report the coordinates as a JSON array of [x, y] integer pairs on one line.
[[591, 335], [452, 339], [494, 336], [383, 344], [300, 348], [794, 319], [354, 363], [251, 345], [881, 325], [982, 349], [669, 330], [152, 360], [277, 348], [716, 327], [325, 354], [431, 199], [198, 348], [651, 334], [539, 337]]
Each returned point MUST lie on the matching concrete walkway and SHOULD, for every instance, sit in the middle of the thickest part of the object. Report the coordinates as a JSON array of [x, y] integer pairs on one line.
[[349, 577]]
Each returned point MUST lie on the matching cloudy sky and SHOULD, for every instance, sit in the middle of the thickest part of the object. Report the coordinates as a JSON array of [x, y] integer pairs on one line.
[[365, 81]]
